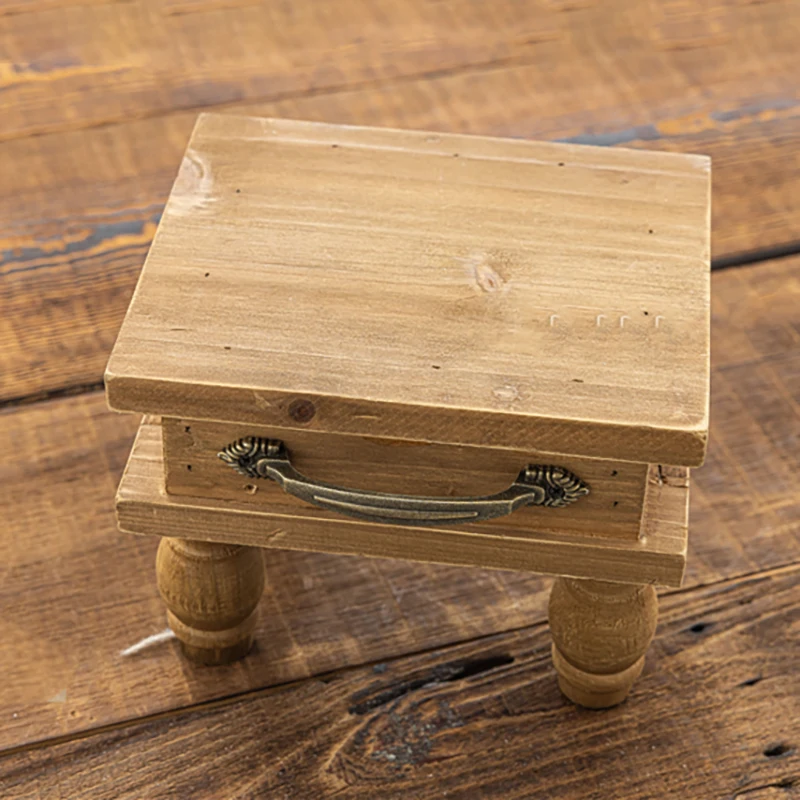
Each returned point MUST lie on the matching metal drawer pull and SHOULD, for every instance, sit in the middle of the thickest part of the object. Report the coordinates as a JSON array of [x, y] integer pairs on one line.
[[536, 485]]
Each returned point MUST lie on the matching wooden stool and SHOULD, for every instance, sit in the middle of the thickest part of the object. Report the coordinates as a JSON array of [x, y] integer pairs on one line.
[[411, 345]]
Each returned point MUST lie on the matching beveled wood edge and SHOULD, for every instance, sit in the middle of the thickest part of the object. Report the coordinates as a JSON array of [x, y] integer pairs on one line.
[[587, 438], [658, 557], [213, 124]]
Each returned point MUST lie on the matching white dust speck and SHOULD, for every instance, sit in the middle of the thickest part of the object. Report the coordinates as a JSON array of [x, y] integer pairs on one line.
[[193, 187]]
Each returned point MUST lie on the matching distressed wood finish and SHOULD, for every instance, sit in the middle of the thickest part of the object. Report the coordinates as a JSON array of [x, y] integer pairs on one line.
[[212, 593], [659, 556], [63, 550], [613, 507], [713, 716], [81, 214], [80, 205], [601, 632], [427, 287]]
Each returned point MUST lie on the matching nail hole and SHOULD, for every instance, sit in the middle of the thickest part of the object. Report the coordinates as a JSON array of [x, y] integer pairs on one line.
[[777, 750], [752, 681], [189, 467], [647, 313], [577, 380], [616, 503], [614, 472], [207, 274], [649, 230], [227, 347], [435, 366], [302, 410], [699, 627], [238, 191], [560, 163], [334, 145], [188, 429], [251, 488], [455, 155]]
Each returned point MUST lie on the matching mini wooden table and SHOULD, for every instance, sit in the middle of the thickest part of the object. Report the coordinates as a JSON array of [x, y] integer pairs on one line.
[[412, 345]]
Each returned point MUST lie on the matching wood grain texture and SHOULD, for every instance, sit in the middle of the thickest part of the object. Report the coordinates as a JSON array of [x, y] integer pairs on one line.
[[428, 287], [79, 207], [212, 593], [658, 557], [715, 715], [748, 486], [613, 507], [158, 57], [80, 215], [61, 550], [77, 592], [601, 632]]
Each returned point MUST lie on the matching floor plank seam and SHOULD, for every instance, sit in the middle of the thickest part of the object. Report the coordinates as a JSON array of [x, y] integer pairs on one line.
[[467, 670], [477, 67], [752, 257]]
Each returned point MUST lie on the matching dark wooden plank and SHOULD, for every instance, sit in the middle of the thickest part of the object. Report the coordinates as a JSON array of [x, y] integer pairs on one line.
[[696, 65], [81, 204], [748, 486], [133, 60], [79, 592], [716, 714]]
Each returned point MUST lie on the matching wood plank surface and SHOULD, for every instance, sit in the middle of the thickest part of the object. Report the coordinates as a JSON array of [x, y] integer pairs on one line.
[[97, 102], [428, 287], [79, 592], [716, 714], [613, 507], [748, 485], [154, 58], [714, 79], [659, 557]]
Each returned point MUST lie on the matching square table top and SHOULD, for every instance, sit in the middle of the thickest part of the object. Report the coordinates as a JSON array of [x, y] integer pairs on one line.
[[427, 286]]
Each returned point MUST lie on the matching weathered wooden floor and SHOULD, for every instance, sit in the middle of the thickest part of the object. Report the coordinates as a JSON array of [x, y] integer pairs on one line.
[[382, 679]]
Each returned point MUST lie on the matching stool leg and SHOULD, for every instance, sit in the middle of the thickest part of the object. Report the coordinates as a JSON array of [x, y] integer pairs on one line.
[[212, 593], [601, 632]]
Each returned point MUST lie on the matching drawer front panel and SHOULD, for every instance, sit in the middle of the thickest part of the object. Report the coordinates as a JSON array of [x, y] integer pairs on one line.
[[613, 508]]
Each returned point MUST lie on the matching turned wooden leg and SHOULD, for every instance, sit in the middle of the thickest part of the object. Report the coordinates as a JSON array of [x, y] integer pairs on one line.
[[601, 632], [212, 593]]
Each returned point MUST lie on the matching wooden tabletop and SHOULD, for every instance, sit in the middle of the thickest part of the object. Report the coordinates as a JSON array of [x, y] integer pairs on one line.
[[378, 678]]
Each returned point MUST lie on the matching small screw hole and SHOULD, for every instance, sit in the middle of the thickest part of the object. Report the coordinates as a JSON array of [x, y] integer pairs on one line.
[[699, 627], [777, 750], [189, 467]]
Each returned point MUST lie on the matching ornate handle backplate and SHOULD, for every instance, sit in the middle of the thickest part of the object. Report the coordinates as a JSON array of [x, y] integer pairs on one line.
[[537, 485]]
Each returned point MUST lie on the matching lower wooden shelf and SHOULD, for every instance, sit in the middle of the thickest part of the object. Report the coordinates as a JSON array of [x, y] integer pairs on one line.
[[657, 557]]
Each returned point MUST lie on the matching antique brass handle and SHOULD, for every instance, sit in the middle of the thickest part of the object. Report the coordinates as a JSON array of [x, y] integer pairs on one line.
[[536, 485]]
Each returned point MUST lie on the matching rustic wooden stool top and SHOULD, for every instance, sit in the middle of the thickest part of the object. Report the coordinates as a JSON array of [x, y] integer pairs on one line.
[[443, 348]]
